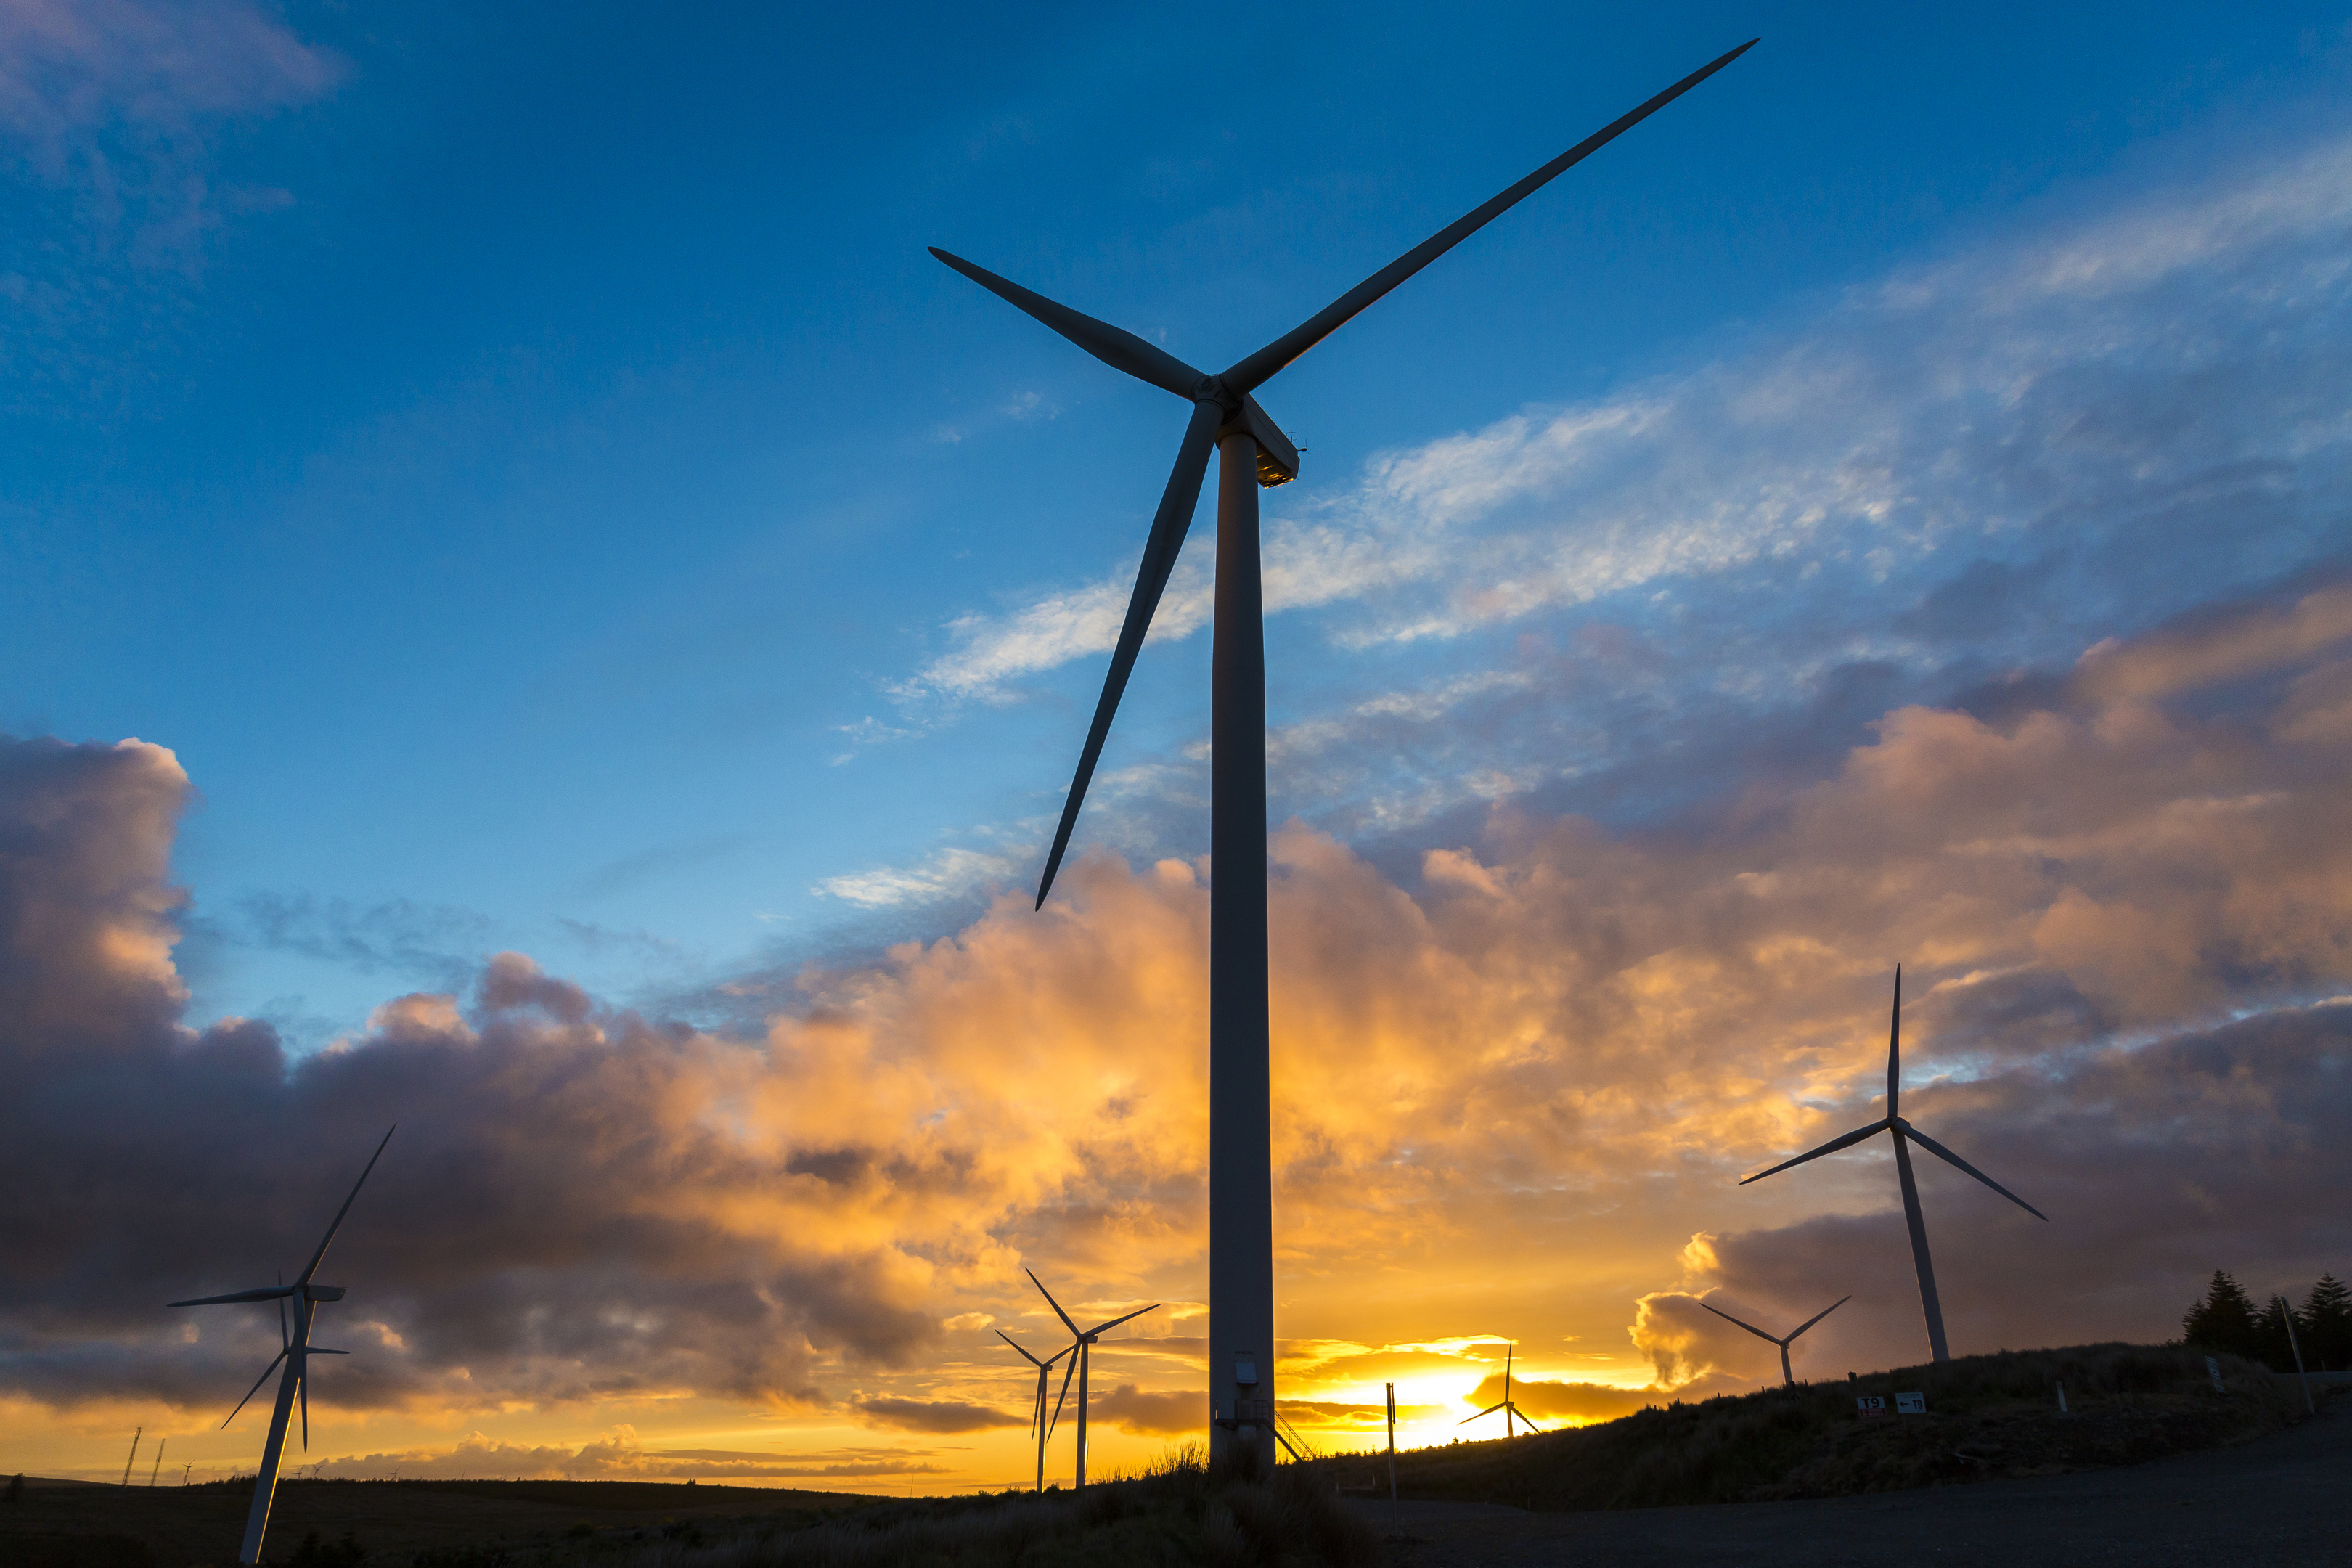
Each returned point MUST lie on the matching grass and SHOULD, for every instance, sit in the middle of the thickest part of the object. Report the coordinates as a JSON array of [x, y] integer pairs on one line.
[[1988, 1415], [1177, 1514]]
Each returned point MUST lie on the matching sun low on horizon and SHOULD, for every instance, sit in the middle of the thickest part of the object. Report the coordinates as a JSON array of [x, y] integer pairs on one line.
[[535, 614]]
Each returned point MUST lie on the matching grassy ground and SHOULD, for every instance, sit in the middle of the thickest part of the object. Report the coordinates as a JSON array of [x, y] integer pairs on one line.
[[74, 1524], [1177, 1514], [1989, 1415]]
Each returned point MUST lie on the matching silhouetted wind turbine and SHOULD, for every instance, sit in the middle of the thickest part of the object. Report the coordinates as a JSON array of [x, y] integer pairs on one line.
[[1787, 1377], [1905, 1135], [1252, 452], [1037, 1415], [1506, 1406], [294, 1351], [1081, 1340]]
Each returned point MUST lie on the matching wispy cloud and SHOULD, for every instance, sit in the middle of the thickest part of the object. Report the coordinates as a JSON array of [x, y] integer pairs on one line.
[[953, 873]]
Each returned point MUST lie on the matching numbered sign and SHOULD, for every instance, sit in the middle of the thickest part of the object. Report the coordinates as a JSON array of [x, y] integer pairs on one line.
[[1911, 1403], [1870, 1405]]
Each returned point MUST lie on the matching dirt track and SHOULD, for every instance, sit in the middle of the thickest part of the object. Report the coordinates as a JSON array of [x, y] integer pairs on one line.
[[2280, 1502]]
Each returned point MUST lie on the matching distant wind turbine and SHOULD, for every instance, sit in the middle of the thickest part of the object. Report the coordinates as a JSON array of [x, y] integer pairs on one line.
[[294, 1351], [1787, 1377], [1506, 1406], [1081, 1340], [1037, 1414], [1905, 1135], [1252, 452]]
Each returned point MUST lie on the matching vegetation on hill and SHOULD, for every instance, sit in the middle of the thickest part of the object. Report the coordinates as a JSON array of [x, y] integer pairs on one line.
[[1987, 1416]]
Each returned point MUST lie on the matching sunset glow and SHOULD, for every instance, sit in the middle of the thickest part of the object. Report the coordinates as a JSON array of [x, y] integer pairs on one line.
[[434, 699]]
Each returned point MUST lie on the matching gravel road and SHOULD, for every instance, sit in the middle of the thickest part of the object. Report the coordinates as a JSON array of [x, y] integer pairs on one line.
[[2280, 1503]]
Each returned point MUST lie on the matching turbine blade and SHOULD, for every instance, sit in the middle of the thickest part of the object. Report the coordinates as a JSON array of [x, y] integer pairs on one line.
[[1115, 1322], [1523, 1415], [1816, 1317], [320, 1256], [1169, 526], [284, 1339], [1056, 1305], [1068, 1372], [1488, 1411], [303, 1388], [1832, 1147], [265, 1294], [1249, 374], [1895, 1047], [257, 1386], [1115, 346], [1949, 1158], [1749, 1327], [1026, 1355], [322, 1350]]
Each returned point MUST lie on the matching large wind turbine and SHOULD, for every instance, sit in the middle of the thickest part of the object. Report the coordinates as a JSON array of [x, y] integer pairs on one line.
[[1081, 1340], [1252, 452], [1905, 1135], [1037, 1413], [1505, 1405], [296, 1349], [1787, 1377]]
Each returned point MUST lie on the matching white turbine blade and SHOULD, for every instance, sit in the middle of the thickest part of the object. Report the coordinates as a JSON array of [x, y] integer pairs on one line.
[[1488, 1411], [1105, 1328], [1895, 1047], [1816, 1317], [1832, 1147], [1068, 1372], [320, 1256], [302, 1387], [265, 1294], [1009, 1340], [257, 1386], [1523, 1415], [1749, 1327], [1949, 1158], [1075, 1333]]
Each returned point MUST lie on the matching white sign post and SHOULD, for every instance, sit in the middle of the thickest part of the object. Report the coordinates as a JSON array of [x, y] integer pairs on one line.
[[1911, 1405]]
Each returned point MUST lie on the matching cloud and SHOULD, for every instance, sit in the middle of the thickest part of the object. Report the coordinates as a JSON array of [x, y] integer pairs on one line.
[[619, 1454], [935, 1415], [952, 872], [2122, 887], [1152, 1415], [1973, 465]]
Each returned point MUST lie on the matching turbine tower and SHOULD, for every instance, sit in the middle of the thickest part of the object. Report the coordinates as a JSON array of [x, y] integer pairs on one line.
[[295, 1351], [1081, 1340], [1905, 1135], [1252, 452], [1506, 1406], [1037, 1411], [1788, 1378]]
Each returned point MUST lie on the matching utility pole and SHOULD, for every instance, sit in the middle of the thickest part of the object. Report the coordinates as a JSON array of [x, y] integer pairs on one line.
[[2287, 1313], [135, 1434], [1391, 1388]]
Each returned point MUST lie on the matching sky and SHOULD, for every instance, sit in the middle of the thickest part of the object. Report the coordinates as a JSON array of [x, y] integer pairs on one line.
[[531, 607]]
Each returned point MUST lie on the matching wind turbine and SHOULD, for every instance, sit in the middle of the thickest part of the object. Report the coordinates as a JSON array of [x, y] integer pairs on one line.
[[295, 1351], [1905, 1135], [1787, 1377], [1081, 1340], [1037, 1415], [1252, 452], [1506, 1406]]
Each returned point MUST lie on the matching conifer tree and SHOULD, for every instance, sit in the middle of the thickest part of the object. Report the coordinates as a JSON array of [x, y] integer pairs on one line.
[[2327, 1321], [2224, 1320]]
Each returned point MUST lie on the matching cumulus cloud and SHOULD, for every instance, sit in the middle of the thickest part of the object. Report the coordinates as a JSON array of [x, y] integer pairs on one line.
[[1149, 1415], [935, 1415], [1522, 1077]]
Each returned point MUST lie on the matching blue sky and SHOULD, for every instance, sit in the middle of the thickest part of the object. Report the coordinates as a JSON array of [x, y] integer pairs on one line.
[[528, 468]]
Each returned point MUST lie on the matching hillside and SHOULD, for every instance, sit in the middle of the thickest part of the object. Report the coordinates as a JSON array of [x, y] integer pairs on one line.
[[1986, 1416]]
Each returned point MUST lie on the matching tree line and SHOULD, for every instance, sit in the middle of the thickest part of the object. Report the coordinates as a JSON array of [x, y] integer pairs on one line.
[[2228, 1319]]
